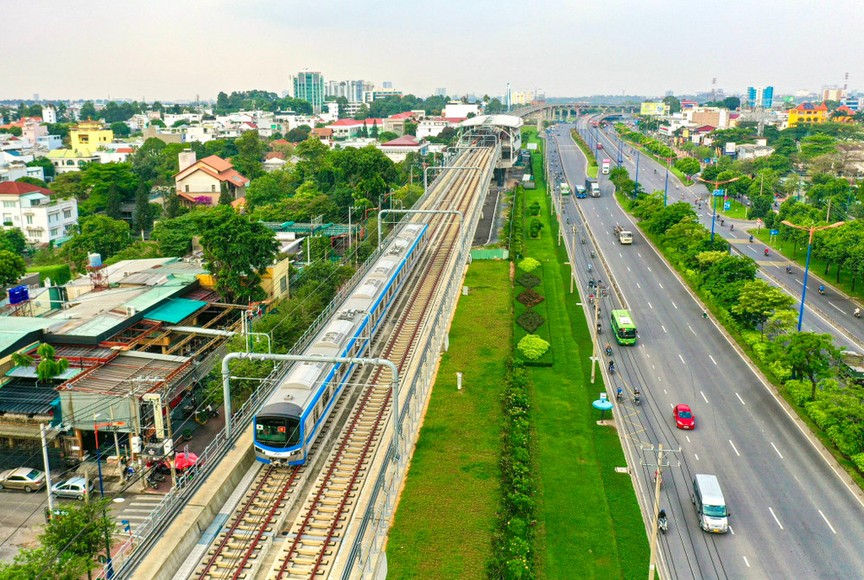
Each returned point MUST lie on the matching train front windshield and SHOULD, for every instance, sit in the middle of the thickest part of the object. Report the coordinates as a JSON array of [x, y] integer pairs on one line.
[[278, 431]]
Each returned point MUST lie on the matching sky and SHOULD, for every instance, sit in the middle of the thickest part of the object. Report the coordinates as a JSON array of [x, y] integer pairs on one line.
[[180, 49]]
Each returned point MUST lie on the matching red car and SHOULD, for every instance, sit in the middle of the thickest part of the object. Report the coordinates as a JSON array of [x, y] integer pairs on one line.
[[599, 145], [684, 418]]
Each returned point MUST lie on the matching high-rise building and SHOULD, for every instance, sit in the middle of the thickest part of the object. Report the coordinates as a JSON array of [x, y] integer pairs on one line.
[[760, 97], [441, 92], [387, 85], [351, 90], [832, 94], [309, 86]]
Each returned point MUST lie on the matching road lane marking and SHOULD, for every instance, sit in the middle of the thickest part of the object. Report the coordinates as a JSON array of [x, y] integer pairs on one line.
[[827, 522], [687, 437], [696, 456], [775, 518], [837, 307], [691, 330], [661, 285], [777, 450], [665, 393], [653, 368], [673, 303], [628, 269], [664, 328], [740, 399], [649, 268], [703, 396], [638, 286], [745, 561], [683, 362], [639, 254], [651, 307], [733, 448], [731, 530]]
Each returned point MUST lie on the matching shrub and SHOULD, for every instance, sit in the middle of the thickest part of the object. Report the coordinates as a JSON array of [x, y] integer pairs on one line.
[[530, 298], [528, 280], [532, 346], [516, 228], [534, 208], [536, 226], [858, 459], [530, 321], [529, 265], [799, 391]]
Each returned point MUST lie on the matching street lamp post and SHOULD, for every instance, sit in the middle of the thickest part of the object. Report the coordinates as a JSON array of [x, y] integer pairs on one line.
[[714, 194], [636, 183], [812, 230], [666, 185]]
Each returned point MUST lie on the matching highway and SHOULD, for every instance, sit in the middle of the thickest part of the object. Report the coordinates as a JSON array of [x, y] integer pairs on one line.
[[830, 313], [792, 515]]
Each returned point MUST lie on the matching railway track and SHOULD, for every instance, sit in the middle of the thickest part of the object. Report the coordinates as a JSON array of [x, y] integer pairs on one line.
[[312, 540]]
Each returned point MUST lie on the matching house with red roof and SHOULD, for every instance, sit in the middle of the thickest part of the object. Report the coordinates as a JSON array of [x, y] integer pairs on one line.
[[200, 181], [808, 113], [843, 114], [37, 212], [398, 149]]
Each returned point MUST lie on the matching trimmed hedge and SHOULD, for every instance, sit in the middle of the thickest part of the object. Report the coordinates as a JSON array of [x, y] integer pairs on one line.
[[529, 265], [530, 298], [530, 321], [513, 540], [532, 346], [58, 273], [528, 280]]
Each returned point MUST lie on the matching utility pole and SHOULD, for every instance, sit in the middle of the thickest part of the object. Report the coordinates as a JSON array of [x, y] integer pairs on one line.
[[42, 430], [655, 506]]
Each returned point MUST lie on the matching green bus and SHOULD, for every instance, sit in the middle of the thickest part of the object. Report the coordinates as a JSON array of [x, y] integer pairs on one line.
[[565, 189], [623, 327]]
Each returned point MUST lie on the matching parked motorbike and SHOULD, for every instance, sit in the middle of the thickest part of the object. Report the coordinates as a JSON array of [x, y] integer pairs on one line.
[[152, 482]]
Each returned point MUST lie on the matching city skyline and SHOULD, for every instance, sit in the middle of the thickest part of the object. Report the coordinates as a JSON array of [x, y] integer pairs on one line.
[[617, 48]]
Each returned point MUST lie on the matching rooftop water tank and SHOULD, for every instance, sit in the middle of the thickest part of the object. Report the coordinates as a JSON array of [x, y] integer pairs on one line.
[[94, 260], [19, 294]]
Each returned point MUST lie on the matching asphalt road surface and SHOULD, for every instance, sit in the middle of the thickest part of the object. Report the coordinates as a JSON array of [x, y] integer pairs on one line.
[[792, 515]]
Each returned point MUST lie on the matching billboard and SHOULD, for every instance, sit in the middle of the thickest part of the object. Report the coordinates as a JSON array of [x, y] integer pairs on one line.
[[730, 148], [654, 108]]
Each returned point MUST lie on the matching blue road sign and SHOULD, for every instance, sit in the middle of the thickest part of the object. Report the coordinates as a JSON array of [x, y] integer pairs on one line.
[[727, 206], [775, 232], [719, 193]]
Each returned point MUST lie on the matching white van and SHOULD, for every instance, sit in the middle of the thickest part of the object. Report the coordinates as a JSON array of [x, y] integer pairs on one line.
[[710, 504]]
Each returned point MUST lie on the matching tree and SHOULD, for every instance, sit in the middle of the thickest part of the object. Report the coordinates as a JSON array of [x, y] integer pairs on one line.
[[96, 233], [12, 267], [237, 251], [810, 355], [731, 103], [85, 530], [32, 181], [142, 217], [374, 132], [88, 111], [688, 166], [250, 153], [674, 104], [224, 194], [45, 164], [758, 301], [120, 129], [13, 240], [267, 189], [298, 134], [48, 367], [175, 235], [106, 185]]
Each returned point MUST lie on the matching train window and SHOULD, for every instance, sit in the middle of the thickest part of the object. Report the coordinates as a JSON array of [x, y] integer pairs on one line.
[[277, 431], [325, 397]]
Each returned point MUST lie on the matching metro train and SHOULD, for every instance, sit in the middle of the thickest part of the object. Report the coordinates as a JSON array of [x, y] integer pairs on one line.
[[288, 423]]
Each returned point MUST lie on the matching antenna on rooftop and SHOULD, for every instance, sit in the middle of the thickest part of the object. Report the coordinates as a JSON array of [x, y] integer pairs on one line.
[[846, 82], [714, 89]]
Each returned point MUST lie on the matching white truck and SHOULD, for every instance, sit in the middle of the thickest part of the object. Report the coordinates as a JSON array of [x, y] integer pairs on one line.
[[624, 236], [593, 187]]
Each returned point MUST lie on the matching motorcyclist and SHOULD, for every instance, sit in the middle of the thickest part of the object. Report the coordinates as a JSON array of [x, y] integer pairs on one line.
[[619, 393], [788, 269], [751, 238], [611, 366], [766, 251], [821, 289], [857, 313], [636, 395], [731, 227]]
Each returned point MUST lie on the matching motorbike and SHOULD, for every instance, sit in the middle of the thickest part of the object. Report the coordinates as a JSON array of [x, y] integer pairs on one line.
[[611, 368], [159, 467], [608, 350], [821, 289], [788, 269], [152, 482], [636, 397], [619, 394], [663, 522], [857, 313], [766, 251]]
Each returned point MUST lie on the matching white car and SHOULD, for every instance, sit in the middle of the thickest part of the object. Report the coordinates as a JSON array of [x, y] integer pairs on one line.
[[25, 478]]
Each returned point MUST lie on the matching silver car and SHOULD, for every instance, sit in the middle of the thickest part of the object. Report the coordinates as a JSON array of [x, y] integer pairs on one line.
[[25, 478], [75, 488]]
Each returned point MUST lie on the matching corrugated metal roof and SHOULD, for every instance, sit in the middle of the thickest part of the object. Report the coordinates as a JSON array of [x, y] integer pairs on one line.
[[175, 310], [24, 398]]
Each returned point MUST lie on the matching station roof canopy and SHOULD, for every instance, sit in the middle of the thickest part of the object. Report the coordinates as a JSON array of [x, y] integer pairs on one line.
[[330, 230], [509, 121], [175, 310]]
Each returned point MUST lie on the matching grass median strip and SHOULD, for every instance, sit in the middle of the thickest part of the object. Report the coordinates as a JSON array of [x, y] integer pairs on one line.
[[446, 515]]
